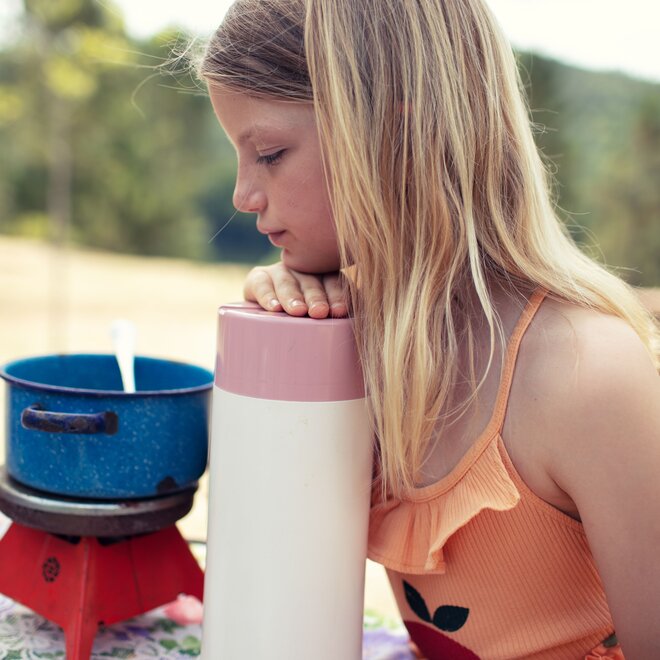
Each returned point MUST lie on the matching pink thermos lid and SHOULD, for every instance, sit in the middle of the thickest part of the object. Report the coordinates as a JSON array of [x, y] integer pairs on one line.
[[271, 355]]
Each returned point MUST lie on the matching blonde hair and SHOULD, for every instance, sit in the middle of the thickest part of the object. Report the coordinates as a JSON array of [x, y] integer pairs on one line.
[[436, 186]]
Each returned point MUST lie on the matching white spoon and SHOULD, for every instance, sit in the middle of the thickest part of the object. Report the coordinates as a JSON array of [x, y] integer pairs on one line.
[[123, 338]]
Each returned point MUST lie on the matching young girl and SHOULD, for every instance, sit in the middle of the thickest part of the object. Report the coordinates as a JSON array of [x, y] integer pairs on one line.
[[514, 392]]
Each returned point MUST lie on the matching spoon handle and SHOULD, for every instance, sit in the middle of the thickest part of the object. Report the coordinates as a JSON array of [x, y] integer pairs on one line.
[[123, 338]]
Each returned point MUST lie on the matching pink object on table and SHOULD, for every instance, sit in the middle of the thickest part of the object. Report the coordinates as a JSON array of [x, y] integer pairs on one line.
[[185, 610]]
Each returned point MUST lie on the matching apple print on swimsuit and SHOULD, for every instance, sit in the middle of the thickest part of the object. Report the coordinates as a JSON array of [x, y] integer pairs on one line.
[[432, 641]]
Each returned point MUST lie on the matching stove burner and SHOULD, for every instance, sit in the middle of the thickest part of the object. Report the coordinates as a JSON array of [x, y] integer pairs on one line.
[[72, 517]]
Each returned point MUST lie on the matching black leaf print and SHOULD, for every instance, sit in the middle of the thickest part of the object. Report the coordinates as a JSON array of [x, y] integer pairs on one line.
[[450, 618], [416, 602]]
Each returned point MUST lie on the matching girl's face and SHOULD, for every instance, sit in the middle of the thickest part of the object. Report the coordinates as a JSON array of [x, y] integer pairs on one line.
[[280, 176]]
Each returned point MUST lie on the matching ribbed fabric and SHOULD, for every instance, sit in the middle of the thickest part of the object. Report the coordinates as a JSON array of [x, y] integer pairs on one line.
[[481, 567]]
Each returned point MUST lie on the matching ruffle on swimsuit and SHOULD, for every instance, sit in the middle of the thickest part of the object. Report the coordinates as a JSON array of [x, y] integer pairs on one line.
[[408, 535], [609, 649]]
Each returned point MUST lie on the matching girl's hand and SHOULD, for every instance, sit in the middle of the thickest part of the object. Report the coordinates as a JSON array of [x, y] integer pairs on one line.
[[278, 288]]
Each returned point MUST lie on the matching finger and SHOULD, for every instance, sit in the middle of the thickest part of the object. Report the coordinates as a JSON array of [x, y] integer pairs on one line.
[[315, 296], [335, 294], [259, 288], [288, 290]]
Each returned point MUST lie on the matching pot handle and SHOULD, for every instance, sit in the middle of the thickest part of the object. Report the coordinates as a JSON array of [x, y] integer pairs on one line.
[[36, 418]]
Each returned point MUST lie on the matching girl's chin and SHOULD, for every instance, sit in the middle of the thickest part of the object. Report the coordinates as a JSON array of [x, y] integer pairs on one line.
[[308, 264]]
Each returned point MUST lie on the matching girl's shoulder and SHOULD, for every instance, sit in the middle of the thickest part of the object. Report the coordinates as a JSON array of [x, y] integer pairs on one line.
[[571, 352], [571, 355], [582, 379]]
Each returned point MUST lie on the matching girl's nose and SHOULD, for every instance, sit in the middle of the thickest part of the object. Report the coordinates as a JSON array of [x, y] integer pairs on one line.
[[249, 198]]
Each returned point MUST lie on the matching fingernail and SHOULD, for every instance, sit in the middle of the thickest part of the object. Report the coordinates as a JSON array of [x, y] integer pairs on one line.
[[274, 303], [338, 307], [318, 305], [297, 303]]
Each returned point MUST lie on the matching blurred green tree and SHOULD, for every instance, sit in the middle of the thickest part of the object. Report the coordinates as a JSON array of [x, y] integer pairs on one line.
[[601, 134], [109, 145]]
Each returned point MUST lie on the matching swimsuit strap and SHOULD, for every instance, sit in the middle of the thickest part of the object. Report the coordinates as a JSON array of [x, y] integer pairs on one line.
[[525, 319]]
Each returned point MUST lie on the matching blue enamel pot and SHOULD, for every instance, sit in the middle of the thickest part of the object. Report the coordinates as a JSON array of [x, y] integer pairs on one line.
[[71, 430]]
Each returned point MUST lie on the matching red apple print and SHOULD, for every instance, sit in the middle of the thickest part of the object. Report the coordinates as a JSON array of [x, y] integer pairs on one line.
[[435, 645]]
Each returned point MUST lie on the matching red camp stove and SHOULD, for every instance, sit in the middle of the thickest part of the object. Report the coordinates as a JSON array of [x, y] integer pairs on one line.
[[83, 563]]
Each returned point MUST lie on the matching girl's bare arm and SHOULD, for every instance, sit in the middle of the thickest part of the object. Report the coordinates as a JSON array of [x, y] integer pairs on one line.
[[601, 424]]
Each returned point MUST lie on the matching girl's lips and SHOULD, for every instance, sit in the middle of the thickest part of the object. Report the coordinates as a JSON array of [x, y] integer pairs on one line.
[[275, 236]]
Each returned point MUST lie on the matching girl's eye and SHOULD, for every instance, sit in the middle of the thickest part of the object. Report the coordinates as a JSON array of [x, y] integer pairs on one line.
[[271, 159]]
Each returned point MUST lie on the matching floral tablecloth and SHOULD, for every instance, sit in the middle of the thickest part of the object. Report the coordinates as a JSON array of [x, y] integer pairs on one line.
[[28, 636]]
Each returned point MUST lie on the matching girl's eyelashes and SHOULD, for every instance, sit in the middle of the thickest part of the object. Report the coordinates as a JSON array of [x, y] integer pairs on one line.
[[271, 159]]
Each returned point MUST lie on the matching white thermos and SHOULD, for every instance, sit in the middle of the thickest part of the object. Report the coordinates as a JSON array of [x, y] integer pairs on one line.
[[290, 477]]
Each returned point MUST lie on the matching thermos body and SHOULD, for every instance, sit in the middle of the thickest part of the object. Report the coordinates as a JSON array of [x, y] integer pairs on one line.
[[290, 477]]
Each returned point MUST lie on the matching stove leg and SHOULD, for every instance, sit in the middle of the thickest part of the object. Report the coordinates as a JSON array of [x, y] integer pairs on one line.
[[79, 584], [164, 567], [81, 624], [79, 636]]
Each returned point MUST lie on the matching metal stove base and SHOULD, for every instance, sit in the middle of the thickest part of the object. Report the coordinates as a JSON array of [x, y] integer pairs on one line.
[[73, 517]]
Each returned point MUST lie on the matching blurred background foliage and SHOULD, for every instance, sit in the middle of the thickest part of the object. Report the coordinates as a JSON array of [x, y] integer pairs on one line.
[[107, 141]]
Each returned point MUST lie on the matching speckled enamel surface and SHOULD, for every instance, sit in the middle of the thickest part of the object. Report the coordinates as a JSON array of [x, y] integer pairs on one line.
[[162, 437]]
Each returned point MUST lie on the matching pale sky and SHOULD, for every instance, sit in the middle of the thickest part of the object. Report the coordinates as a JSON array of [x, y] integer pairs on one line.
[[618, 35]]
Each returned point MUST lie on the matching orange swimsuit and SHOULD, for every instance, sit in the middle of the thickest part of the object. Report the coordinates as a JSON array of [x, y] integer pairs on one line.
[[481, 567]]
